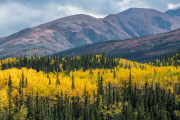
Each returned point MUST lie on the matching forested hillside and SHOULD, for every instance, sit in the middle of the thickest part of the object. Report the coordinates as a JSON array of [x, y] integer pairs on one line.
[[142, 49], [168, 60], [91, 87]]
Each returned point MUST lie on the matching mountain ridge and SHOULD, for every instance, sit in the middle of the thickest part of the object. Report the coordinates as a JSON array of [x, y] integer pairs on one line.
[[173, 12], [77, 30]]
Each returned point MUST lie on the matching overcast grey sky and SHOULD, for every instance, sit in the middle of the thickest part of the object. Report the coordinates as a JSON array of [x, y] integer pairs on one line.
[[16, 15]]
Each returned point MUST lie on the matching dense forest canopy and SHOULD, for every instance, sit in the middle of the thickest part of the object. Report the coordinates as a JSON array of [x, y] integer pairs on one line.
[[90, 87]]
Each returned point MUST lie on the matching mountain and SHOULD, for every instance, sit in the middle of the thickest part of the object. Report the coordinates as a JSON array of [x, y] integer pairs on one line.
[[138, 22], [77, 30], [142, 49], [173, 12]]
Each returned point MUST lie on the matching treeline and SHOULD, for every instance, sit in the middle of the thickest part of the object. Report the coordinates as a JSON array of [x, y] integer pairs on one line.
[[110, 103], [168, 60], [51, 64]]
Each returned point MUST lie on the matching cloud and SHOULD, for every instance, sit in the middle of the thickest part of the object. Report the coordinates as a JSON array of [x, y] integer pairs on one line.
[[125, 4], [71, 10], [18, 16], [173, 6]]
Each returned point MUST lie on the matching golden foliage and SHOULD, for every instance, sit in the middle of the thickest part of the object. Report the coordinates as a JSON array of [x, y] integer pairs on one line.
[[4, 98], [60, 66], [167, 77], [22, 113], [9, 60]]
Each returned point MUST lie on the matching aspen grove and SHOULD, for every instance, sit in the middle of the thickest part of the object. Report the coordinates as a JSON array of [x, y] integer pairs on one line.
[[90, 87]]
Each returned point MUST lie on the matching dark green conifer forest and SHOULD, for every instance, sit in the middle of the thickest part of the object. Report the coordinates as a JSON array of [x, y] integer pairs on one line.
[[128, 102]]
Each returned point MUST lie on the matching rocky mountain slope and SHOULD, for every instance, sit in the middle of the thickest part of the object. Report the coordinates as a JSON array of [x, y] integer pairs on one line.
[[77, 30]]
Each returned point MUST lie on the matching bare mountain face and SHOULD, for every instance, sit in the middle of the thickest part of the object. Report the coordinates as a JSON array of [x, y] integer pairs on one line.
[[78, 30]]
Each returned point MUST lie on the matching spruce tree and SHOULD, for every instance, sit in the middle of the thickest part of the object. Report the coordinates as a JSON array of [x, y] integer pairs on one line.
[[114, 75], [22, 79], [110, 95], [10, 98], [130, 87], [57, 81], [73, 85]]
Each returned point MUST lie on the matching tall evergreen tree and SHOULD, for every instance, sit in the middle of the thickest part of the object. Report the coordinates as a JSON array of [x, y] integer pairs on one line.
[[57, 81], [73, 85], [10, 98]]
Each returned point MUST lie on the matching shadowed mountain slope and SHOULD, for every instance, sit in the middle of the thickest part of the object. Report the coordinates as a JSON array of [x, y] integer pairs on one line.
[[143, 49], [174, 12]]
